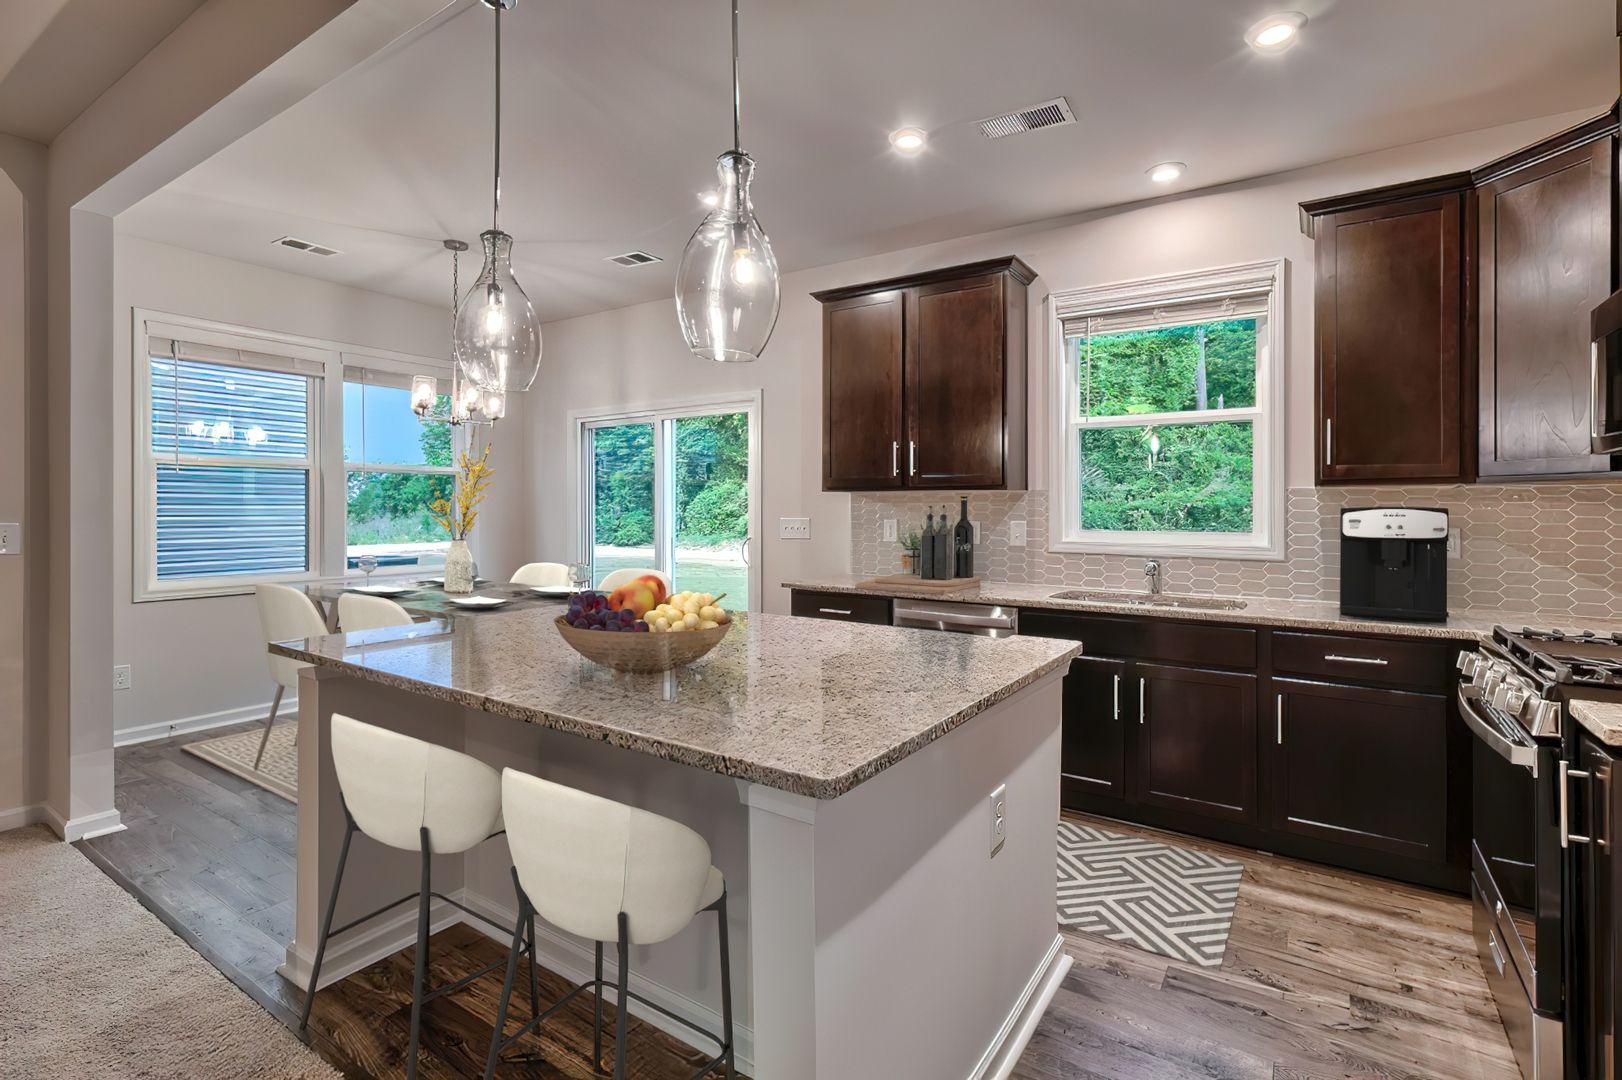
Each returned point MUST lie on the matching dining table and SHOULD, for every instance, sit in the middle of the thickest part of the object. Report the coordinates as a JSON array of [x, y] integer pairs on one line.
[[428, 599]]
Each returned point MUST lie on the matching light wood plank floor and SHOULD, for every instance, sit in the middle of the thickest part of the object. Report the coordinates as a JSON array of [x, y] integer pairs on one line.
[[1327, 974]]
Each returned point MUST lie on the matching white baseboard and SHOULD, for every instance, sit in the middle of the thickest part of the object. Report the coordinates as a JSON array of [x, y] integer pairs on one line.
[[365, 945], [18, 816], [86, 827], [164, 729], [1020, 1024], [575, 963]]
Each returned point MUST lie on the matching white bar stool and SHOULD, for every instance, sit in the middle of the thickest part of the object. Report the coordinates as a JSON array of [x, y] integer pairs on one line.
[[415, 796], [357, 611], [602, 870], [285, 614], [541, 573]]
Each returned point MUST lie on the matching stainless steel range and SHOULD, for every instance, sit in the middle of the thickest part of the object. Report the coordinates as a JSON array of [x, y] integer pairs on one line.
[[1513, 695]]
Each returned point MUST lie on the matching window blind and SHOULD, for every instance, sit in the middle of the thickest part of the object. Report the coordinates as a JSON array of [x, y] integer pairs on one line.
[[1152, 316]]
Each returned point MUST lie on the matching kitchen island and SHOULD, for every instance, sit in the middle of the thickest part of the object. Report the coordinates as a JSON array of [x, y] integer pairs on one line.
[[842, 774]]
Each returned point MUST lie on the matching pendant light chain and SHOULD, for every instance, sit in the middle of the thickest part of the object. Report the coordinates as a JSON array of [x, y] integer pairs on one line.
[[737, 94]]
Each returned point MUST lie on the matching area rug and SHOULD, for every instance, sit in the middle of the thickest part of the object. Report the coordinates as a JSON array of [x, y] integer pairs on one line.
[[278, 769], [93, 985], [1162, 899]]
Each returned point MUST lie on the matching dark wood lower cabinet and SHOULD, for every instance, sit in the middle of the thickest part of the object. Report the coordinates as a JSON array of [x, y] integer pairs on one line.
[[1197, 740], [1355, 765], [1093, 761], [1597, 966]]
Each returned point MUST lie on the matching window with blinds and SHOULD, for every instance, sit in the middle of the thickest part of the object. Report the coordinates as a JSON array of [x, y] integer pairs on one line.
[[1168, 415], [230, 445], [395, 468]]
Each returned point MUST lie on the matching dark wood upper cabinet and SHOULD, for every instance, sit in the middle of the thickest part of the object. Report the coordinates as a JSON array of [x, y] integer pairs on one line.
[[1452, 316], [1544, 241], [924, 380], [1390, 337]]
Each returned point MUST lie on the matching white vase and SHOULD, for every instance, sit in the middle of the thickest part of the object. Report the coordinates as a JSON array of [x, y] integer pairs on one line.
[[458, 568]]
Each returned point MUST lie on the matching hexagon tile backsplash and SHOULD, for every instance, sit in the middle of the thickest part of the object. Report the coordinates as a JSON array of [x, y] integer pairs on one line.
[[1545, 548]]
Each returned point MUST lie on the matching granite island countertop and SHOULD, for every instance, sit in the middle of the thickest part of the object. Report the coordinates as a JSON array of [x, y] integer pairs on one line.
[[1602, 719], [1469, 625], [812, 707]]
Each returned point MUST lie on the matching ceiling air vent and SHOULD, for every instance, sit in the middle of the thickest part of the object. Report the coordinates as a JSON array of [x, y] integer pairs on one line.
[[1047, 114], [304, 245], [634, 258]]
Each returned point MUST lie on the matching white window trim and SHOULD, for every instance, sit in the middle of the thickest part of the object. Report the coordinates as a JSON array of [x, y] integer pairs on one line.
[[582, 421], [327, 555], [1267, 542]]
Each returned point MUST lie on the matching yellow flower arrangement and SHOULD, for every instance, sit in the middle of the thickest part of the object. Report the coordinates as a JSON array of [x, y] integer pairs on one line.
[[473, 483]]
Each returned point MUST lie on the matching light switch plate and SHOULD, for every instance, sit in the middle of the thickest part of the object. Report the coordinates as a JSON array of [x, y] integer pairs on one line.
[[794, 528], [998, 806], [1016, 533], [11, 538], [121, 677], [889, 528], [1455, 543]]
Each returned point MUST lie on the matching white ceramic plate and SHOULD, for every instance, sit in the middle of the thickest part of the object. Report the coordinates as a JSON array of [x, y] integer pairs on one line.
[[478, 601], [552, 590], [441, 581], [382, 590]]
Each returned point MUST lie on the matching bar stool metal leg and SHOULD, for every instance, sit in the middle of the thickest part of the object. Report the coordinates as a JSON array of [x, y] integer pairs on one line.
[[326, 921], [423, 900], [726, 989], [597, 1013], [534, 973], [496, 1040], [622, 1015]]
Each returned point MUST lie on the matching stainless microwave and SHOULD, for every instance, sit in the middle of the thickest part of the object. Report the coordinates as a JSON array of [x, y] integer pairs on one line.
[[1605, 429]]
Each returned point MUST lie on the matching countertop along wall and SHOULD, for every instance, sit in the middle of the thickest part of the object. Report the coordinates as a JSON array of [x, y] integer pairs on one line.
[[203, 658], [636, 354]]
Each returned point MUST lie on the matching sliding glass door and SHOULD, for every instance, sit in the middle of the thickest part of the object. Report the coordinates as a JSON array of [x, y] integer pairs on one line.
[[674, 489]]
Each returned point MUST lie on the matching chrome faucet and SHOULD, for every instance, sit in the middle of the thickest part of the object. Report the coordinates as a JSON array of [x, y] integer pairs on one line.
[[1151, 570]]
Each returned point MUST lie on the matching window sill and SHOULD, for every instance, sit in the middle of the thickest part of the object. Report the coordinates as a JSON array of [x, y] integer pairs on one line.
[[1160, 546]]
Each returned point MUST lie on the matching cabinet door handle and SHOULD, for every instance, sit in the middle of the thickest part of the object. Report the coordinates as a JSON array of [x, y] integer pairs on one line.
[[1143, 696], [1567, 774], [1278, 710], [895, 458], [1329, 440], [1117, 696], [833, 611], [912, 458], [1375, 661]]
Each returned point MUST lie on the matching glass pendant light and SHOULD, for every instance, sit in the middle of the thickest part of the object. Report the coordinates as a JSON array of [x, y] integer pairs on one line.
[[468, 403], [727, 288], [498, 337]]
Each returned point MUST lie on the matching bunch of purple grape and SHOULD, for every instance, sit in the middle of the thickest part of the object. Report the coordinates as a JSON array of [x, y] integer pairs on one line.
[[590, 611]]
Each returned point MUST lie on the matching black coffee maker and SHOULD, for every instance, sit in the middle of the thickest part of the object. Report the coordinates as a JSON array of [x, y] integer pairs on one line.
[[1393, 563]]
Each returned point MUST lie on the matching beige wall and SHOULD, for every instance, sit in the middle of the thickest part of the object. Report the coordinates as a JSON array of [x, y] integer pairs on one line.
[[198, 657], [636, 354]]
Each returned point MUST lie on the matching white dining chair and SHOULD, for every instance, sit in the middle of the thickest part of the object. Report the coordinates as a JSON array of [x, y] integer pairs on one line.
[[615, 578], [413, 796], [285, 614], [357, 611], [606, 871], [541, 573]]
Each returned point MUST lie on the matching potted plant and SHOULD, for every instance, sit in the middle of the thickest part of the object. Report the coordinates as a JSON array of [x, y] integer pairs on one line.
[[457, 516], [910, 541]]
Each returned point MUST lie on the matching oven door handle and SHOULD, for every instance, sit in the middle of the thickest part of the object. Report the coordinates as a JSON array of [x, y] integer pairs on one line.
[[1516, 753]]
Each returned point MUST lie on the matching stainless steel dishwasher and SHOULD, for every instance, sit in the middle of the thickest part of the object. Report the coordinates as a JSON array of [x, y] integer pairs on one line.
[[986, 620]]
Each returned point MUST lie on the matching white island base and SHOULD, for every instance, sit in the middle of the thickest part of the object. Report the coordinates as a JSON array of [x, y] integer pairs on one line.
[[874, 934]]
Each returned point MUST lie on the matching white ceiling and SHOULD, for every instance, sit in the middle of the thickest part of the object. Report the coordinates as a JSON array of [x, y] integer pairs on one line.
[[58, 56], [615, 110]]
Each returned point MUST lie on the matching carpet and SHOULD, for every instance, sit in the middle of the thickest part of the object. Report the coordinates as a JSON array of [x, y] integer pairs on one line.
[[93, 985], [278, 769], [1162, 899]]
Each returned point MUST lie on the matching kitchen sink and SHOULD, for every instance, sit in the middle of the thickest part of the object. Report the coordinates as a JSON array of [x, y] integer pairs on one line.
[[1167, 600]]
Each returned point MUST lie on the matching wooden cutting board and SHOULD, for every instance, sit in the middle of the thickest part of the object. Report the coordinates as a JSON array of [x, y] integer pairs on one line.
[[913, 581]]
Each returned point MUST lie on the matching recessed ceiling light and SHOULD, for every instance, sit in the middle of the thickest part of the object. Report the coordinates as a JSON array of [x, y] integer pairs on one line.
[[908, 140], [1276, 32], [709, 198], [1167, 171]]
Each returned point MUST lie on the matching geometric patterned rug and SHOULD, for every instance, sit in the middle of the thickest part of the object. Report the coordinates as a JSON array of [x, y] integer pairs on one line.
[[278, 770], [1162, 899]]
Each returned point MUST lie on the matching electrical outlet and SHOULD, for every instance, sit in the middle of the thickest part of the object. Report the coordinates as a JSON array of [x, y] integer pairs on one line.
[[1455, 543], [999, 818], [889, 528], [121, 677], [977, 534], [11, 538], [1016, 534], [794, 528]]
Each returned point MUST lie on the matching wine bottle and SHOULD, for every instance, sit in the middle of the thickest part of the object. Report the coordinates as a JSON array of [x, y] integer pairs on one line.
[[926, 546], [963, 541], [943, 546]]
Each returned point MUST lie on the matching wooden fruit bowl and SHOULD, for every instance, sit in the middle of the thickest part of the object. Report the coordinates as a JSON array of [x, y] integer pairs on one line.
[[641, 652]]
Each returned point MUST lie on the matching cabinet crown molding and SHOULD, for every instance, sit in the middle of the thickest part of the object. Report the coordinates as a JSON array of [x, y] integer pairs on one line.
[[1008, 264]]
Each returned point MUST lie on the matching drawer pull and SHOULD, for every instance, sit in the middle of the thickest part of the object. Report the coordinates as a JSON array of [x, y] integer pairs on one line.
[[834, 610], [1375, 661]]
